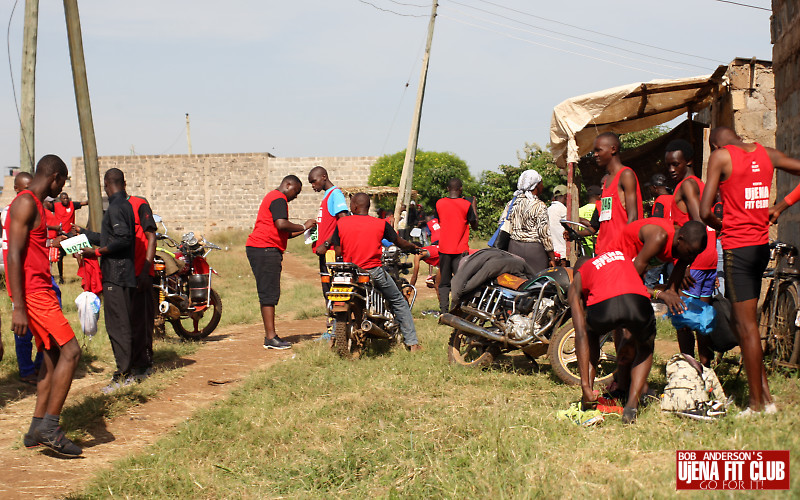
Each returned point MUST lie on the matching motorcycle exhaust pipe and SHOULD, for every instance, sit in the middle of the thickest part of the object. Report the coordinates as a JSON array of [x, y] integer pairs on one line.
[[471, 328], [169, 310], [372, 329]]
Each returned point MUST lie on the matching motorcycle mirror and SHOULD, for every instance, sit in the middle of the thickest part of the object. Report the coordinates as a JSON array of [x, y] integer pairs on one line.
[[157, 218], [416, 232]]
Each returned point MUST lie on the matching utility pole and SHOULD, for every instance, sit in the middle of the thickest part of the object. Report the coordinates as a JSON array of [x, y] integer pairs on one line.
[[27, 152], [188, 134], [406, 178], [90, 163]]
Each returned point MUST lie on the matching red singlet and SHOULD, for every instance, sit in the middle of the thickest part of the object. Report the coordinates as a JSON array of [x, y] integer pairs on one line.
[[433, 255], [607, 276], [707, 260], [613, 217], [745, 198], [630, 244], [35, 259], [326, 222]]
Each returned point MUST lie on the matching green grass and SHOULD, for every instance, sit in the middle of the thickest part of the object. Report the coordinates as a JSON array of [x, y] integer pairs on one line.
[[395, 424]]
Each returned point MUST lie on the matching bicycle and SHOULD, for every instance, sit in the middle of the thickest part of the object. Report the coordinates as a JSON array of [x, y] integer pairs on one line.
[[779, 315]]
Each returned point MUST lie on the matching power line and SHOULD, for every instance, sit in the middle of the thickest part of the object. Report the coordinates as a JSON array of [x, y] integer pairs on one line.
[[410, 4], [402, 97], [597, 32], [650, 57], [13, 88], [391, 11], [175, 141], [744, 5], [556, 48]]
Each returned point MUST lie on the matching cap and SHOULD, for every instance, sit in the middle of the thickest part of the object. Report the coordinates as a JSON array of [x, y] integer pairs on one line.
[[658, 180], [560, 190], [594, 190]]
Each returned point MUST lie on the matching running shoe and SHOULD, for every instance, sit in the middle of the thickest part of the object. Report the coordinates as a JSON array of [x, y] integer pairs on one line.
[[276, 343], [29, 441], [58, 442], [629, 415], [117, 384]]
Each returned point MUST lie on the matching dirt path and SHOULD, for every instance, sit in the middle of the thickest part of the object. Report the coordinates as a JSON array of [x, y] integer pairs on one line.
[[209, 374]]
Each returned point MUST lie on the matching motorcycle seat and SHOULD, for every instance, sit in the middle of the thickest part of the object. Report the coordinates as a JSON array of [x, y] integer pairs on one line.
[[510, 281]]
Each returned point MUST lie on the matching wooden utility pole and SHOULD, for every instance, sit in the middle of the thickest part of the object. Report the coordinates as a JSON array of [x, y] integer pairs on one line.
[[188, 134], [90, 163], [27, 151], [406, 178]]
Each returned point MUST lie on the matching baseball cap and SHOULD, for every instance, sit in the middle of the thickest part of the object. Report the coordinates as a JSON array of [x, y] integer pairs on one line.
[[560, 190]]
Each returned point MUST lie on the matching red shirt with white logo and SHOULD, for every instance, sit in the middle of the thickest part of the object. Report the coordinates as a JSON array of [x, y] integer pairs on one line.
[[707, 260], [265, 234], [66, 215], [434, 228], [454, 215], [360, 238], [745, 198], [609, 275], [613, 216], [630, 244]]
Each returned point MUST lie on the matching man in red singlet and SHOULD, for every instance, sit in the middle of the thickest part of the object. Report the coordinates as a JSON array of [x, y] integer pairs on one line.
[[662, 205], [621, 201], [609, 290], [36, 305], [64, 211], [743, 173], [686, 207], [143, 323], [456, 215]]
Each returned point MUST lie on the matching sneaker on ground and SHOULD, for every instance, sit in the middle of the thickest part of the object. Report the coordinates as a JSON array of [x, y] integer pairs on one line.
[[629, 415], [276, 343], [770, 409], [29, 441], [117, 384], [143, 374], [58, 442], [748, 413]]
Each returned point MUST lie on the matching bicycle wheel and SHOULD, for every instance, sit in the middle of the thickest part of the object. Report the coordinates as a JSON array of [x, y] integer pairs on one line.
[[784, 339]]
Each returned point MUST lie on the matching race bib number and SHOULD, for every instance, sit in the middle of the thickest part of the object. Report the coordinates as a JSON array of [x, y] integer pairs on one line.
[[605, 208], [75, 244]]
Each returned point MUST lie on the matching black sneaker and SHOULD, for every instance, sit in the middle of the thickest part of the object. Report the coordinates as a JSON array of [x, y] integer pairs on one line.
[[58, 442], [276, 343], [629, 415], [29, 441]]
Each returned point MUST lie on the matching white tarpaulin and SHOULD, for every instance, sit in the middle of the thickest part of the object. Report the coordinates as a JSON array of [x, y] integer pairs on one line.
[[628, 108]]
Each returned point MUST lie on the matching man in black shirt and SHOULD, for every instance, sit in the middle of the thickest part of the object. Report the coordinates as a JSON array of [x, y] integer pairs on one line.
[[116, 251]]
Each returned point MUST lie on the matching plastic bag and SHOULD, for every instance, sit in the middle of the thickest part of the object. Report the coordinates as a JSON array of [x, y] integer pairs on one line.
[[88, 305], [698, 316]]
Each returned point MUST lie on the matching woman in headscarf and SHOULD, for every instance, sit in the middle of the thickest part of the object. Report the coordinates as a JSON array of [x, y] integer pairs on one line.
[[530, 224]]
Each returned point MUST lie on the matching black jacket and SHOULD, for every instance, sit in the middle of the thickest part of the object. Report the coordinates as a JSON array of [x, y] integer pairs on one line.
[[117, 234]]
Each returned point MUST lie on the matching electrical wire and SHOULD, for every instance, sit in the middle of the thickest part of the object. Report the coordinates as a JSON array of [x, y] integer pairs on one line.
[[555, 48], [744, 5], [175, 141], [596, 32], [575, 43], [410, 4], [391, 11], [13, 88], [402, 96]]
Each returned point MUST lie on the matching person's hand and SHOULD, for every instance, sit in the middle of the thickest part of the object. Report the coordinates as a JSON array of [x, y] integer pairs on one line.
[[775, 211], [88, 252], [19, 321], [688, 281], [309, 223], [321, 250], [673, 301], [551, 263]]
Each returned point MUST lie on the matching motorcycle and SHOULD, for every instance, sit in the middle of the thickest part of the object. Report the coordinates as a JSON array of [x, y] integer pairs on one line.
[[532, 315], [182, 286], [359, 312]]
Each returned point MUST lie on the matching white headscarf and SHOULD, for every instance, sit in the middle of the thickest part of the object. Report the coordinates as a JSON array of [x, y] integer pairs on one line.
[[527, 182]]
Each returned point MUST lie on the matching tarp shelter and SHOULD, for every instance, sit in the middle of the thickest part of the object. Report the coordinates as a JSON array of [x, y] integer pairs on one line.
[[628, 108]]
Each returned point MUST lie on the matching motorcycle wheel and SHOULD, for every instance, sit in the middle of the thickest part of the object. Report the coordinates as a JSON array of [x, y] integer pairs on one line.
[[564, 360], [344, 343], [193, 327], [461, 351]]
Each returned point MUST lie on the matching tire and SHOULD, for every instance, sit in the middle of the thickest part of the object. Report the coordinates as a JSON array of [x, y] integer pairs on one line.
[[344, 343], [784, 341], [564, 360], [182, 326], [466, 350]]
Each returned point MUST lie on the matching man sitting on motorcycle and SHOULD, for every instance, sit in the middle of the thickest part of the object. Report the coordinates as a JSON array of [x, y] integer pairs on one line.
[[357, 239]]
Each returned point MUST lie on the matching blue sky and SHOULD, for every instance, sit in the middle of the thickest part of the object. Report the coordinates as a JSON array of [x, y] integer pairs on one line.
[[328, 78]]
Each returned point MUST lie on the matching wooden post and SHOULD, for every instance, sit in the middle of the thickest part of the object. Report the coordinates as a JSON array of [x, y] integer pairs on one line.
[[406, 178], [706, 153], [27, 126], [188, 135], [90, 163], [572, 203]]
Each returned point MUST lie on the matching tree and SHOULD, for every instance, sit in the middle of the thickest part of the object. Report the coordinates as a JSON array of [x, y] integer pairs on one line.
[[633, 140], [432, 171]]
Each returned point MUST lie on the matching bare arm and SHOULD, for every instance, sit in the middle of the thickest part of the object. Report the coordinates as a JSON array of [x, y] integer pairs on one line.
[[628, 182], [415, 272], [716, 172], [690, 195], [788, 165], [293, 229], [21, 218]]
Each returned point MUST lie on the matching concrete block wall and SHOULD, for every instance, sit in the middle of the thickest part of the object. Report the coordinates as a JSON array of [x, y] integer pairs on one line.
[[785, 27], [215, 192]]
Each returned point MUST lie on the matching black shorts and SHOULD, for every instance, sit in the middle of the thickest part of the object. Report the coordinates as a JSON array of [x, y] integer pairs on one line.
[[631, 311], [266, 264], [743, 270]]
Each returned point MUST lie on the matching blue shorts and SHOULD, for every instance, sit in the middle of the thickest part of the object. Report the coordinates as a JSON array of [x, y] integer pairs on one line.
[[704, 283]]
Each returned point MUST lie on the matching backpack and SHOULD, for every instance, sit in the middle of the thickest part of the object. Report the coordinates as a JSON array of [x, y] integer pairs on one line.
[[689, 383]]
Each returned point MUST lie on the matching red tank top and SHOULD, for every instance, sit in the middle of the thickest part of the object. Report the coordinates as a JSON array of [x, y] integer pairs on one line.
[[433, 226], [630, 244], [613, 217], [745, 198], [708, 259], [326, 222], [609, 275], [35, 260], [140, 243]]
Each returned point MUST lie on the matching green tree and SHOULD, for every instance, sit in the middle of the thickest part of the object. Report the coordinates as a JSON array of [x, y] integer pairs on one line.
[[432, 171], [633, 140]]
